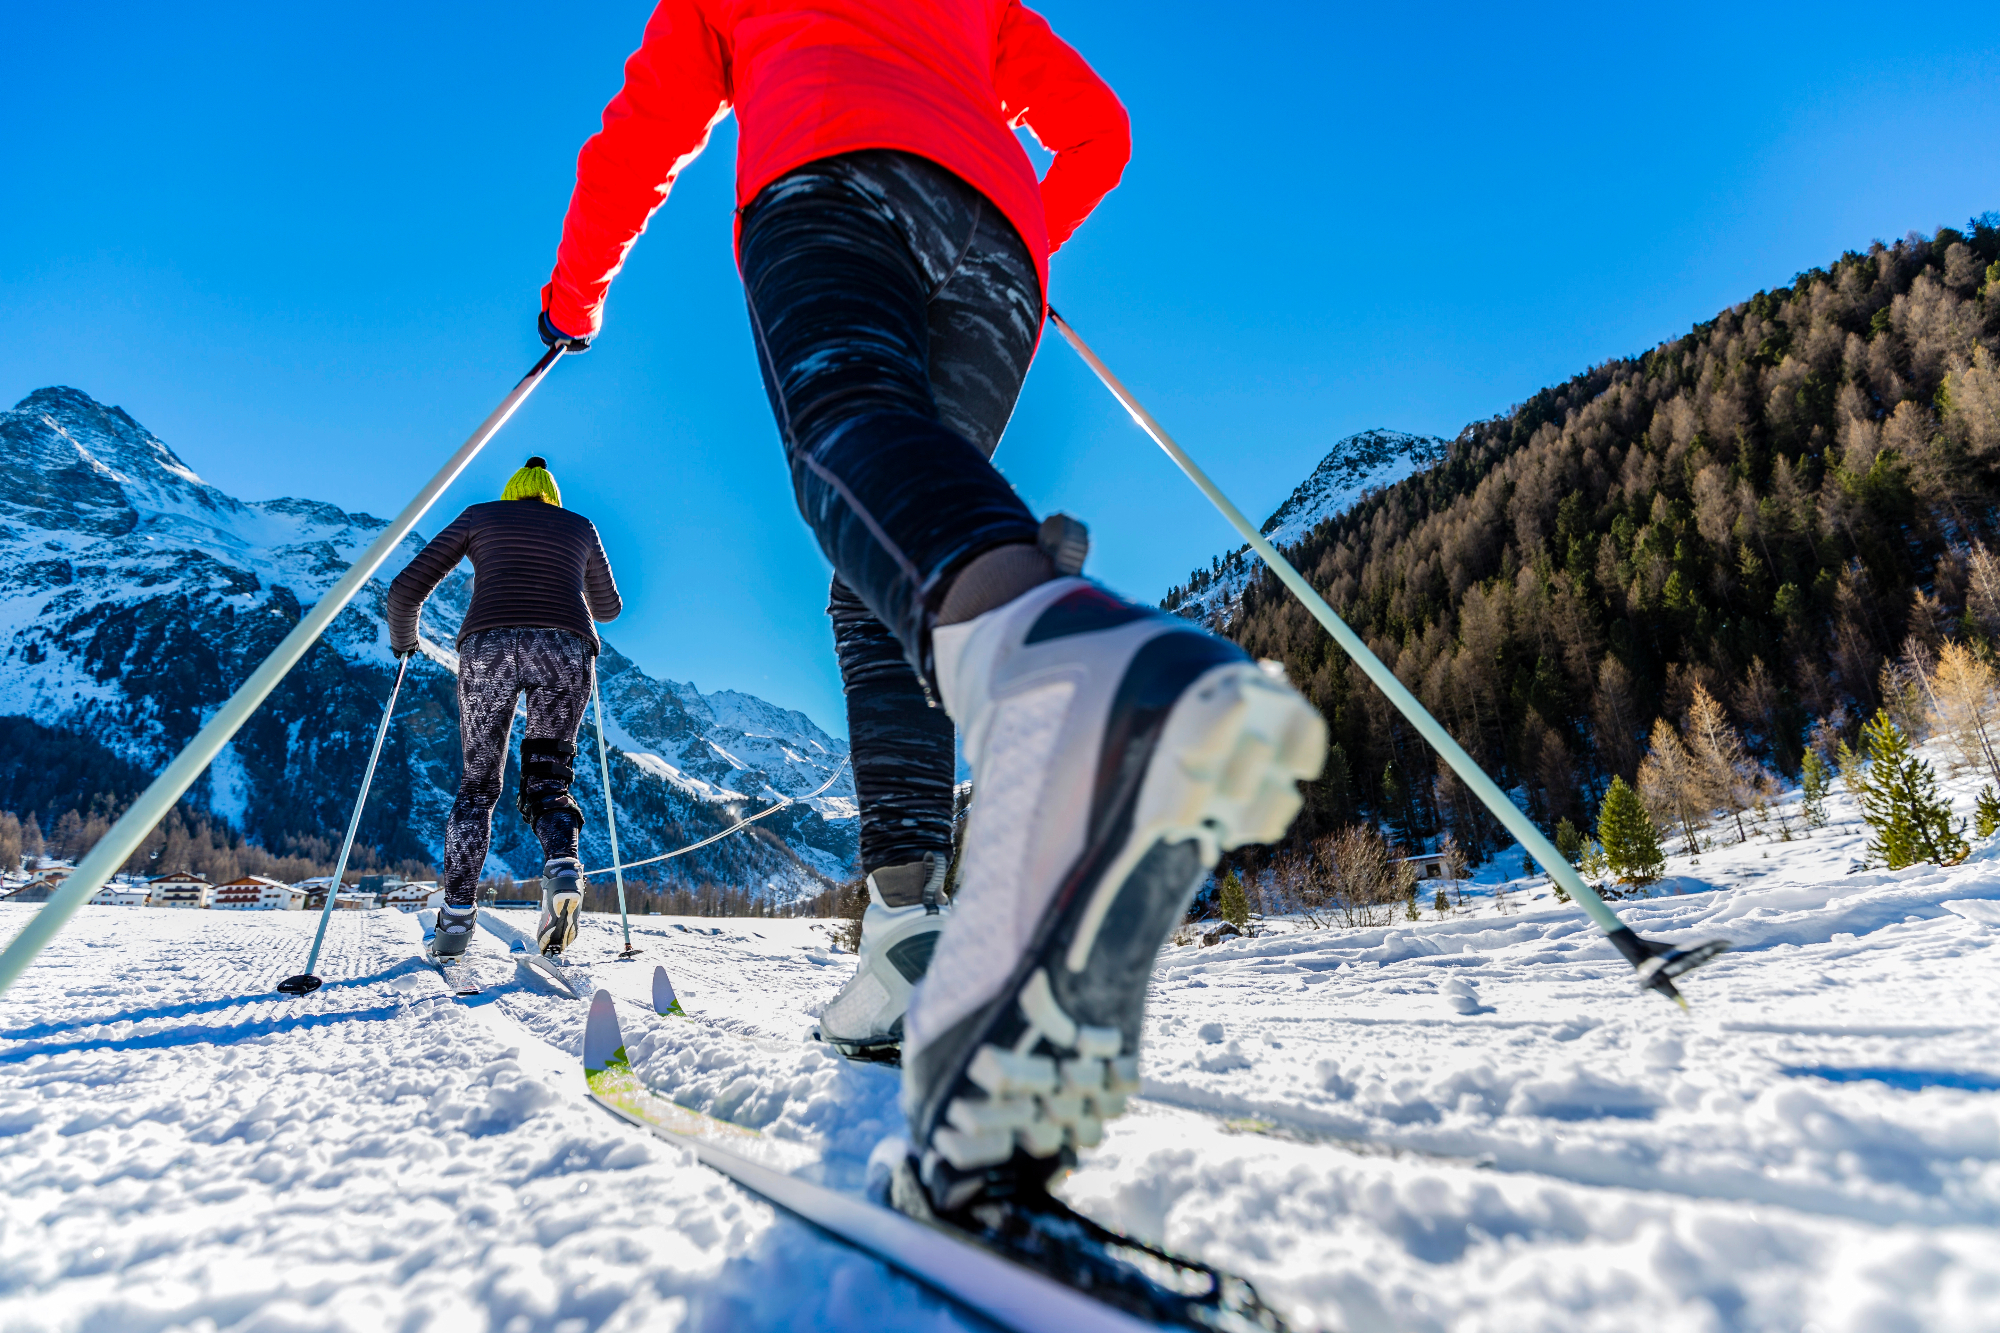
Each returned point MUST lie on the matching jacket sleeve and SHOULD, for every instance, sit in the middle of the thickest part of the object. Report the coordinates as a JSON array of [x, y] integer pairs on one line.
[[419, 577], [600, 592], [676, 91], [1044, 84]]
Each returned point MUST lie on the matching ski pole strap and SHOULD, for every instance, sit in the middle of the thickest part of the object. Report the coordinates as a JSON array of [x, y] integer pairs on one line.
[[152, 806], [1511, 816]]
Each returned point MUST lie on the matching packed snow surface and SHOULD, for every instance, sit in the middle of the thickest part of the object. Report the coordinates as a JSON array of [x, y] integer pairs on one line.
[[1468, 1123]]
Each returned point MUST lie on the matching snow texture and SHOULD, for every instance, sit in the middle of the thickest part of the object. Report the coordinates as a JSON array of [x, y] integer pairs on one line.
[[1470, 1123]]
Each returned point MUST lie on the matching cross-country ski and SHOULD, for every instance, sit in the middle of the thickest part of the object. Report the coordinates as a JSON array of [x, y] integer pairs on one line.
[[953, 665]]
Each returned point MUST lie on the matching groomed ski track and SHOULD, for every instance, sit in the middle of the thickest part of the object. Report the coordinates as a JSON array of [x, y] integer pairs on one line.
[[1467, 1124]]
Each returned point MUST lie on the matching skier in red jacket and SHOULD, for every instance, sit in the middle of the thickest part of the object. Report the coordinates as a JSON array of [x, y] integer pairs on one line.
[[894, 245]]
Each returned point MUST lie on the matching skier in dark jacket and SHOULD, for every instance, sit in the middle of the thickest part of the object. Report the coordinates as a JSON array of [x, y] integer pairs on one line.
[[540, 578], [894, 245]]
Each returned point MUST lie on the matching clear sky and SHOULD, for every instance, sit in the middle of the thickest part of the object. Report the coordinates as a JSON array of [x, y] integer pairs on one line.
[[303, 244]]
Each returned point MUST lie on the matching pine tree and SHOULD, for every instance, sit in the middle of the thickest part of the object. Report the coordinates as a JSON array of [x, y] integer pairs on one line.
[[1899, 798], [1815, 776], [1630, 839], [1441, 904], [1986, 815], [1231, 902], [1569, 842]]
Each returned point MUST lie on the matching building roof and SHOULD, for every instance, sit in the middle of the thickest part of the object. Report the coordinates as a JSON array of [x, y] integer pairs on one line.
[[183, 877], [258, 881]]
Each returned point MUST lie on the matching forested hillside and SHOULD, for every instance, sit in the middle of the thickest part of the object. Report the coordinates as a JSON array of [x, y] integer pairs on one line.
[[1768, 507]]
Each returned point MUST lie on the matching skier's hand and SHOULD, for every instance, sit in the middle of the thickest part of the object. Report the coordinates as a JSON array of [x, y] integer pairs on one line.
[[555, 337]]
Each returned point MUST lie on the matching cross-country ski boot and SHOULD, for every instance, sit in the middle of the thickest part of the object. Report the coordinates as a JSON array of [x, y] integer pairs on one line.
[[1116, 752], [562, 901], [899, 930], [454, 930]]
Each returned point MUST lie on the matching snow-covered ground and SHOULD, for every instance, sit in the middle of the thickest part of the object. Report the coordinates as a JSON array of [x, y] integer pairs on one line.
[[1469, 1123]]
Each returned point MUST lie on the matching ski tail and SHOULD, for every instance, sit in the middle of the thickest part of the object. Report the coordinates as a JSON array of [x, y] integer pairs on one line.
[[603, 1043], [664, 1000]]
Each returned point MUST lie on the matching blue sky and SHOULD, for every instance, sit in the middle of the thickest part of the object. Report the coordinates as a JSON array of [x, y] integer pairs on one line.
[[303, 245]]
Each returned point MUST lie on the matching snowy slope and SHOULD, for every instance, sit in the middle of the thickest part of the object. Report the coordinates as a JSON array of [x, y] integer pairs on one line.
[[134, 597], [1351, 469], [1468, 1123]]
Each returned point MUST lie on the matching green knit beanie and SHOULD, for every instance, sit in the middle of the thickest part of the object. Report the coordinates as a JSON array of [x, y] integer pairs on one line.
[[533, 482]]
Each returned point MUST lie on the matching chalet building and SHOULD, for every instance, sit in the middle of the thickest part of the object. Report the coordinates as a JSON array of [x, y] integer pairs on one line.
[[122, 895], [255, 893], [34, 891], [315, 891], [182, 890], [412, 896], [1428, 865]]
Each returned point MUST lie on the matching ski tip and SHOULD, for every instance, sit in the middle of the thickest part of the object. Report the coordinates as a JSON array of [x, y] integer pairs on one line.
[[603, 1043], [664, 999]]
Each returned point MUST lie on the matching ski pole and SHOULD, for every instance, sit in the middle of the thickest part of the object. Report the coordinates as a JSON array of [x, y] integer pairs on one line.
[[124, 837], [306, 982], [611, 816], [1657, 964]]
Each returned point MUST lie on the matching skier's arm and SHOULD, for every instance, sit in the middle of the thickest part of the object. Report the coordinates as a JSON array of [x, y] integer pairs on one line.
[[600, 592], [1044, 84], [676, 90], [419, 577]]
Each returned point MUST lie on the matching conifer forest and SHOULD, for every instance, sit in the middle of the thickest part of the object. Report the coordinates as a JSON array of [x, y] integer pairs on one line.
[[1741, 544]]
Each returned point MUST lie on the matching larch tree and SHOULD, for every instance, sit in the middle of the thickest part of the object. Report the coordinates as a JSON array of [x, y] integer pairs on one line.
[[1725, 770], [1964, 707], [1670, 781]]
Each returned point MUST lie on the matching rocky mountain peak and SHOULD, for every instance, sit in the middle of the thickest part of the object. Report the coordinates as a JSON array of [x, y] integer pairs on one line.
[[134, 597]]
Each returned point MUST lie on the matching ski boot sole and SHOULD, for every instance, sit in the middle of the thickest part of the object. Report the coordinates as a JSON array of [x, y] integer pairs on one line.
[[560, 931], [1055, 1054]]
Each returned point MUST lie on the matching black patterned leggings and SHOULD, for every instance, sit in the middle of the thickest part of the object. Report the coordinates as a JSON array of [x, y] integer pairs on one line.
[[495, 667], [893, 302]]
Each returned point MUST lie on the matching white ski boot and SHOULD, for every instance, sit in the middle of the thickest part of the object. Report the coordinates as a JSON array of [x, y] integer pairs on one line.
[[562, 903], [898, 932], [1116, 752]]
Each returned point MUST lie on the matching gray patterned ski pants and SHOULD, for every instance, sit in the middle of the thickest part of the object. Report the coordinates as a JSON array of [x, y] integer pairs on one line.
[[495, 667]]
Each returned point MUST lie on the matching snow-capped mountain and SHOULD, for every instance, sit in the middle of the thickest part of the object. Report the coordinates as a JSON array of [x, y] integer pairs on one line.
[[134, 597], [1351, 469]]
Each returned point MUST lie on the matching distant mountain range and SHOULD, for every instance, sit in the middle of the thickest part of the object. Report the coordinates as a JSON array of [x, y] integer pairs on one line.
[[134, 597], [1351, 469]]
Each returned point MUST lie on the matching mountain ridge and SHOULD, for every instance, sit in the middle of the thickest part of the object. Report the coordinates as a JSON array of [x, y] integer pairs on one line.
[[1355, 466], [134, 596]]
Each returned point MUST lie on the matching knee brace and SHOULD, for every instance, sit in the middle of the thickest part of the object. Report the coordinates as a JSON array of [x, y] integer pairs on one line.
[[546, 773]]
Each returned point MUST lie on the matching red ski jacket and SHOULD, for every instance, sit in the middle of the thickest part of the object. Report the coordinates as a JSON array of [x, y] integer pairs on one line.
[[945, 79]]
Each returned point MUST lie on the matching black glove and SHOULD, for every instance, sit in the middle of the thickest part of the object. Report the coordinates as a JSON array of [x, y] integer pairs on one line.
[[555, 337]]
